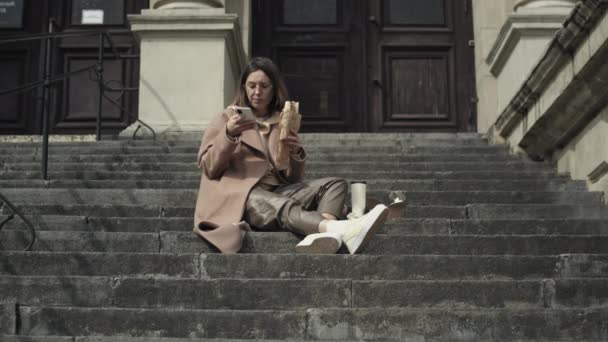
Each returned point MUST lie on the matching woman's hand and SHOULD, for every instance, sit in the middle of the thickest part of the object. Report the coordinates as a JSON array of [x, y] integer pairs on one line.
[[237, 125], [293, 141]]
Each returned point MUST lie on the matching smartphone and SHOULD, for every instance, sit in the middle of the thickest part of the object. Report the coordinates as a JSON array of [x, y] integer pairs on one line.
[[246, 113]]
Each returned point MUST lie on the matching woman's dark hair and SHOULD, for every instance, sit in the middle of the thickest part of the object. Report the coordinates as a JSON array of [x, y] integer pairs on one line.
[[279, 89]]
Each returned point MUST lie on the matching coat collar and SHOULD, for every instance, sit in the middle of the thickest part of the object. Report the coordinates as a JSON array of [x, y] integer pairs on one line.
[[251, 137]]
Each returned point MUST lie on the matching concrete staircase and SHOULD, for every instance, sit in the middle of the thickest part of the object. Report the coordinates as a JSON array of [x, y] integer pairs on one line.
[[491, 248]]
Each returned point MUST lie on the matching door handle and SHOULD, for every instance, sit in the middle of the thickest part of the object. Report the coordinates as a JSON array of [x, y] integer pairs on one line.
[[372, 19], [54, 25], [378, 84]]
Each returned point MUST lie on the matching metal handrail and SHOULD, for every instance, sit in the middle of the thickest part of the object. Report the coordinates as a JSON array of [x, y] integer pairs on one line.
[[50, 79], [54, 35], [11, 216]]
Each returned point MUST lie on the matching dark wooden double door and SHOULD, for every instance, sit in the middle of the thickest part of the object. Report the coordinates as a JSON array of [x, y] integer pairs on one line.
[[74, 102], [373, 65]]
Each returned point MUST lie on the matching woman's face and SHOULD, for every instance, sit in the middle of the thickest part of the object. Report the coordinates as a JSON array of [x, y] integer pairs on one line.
[[259, 90]]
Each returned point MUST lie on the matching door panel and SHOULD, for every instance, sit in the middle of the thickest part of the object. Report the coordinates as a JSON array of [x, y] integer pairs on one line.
[[311, 12], [415, 13], [418, 84], [393, 65], [76, 111], [74, 101], [413, 72], [80, 95], [19, 64], [12, 107], [316, 77], [317, 48]]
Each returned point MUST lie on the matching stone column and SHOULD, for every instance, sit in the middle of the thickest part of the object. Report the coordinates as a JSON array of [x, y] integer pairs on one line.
[[543, 5], [191, 57], [521, 42], [168, 4]]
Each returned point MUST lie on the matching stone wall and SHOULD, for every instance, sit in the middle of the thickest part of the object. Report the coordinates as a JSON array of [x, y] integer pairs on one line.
[[552, 105], [488, 18]]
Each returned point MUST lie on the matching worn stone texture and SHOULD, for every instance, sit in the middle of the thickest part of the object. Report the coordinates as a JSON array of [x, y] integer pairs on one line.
[[8, 316], [489, 248]]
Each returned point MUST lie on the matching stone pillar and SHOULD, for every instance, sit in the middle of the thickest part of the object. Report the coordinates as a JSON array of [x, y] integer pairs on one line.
[[521, 42], [168, 4], [191, 57], [543, 5]]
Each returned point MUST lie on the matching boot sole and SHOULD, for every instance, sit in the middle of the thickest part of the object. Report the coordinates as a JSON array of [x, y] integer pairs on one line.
[[321, 245]]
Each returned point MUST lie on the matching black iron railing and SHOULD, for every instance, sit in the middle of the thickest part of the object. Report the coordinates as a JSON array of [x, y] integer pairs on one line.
[[50, 80], [11, 215]]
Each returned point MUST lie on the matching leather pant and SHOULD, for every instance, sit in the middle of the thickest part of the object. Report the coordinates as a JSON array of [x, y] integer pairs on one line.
[[296, 207]]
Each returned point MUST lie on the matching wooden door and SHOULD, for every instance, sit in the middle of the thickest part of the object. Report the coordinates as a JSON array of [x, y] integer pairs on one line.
[[76, 106], [318, 45], [373, 65], [421, 75], [74, 102], [19, 65]]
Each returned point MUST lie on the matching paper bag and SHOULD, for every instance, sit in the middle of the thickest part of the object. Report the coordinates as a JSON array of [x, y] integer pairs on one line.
[[290, 120]]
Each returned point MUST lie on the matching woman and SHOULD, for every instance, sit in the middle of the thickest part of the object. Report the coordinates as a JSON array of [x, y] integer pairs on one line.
[[241, 182]]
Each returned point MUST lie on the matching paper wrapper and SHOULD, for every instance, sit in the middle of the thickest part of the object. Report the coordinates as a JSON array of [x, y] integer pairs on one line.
[[290, 120]]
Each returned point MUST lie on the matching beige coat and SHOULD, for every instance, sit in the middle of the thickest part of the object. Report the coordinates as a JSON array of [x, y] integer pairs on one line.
[[229, 172]]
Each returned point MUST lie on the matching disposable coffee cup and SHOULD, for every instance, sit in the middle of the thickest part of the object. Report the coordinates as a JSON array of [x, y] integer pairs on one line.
[[358, 191]]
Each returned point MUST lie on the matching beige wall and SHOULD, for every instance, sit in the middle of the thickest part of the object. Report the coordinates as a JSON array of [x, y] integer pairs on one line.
[[586, 153], [488, 18], [243, 9]]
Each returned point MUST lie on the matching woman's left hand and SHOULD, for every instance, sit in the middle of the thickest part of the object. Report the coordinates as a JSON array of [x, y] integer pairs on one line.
[[293, 141]]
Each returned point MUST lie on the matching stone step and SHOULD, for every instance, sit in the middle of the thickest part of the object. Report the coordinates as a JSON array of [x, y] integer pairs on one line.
[[184, 242], [376, 184], [397, 324], [289, 294], [66, 241], [393, 226], [295, 266], [536, 211], [404, 324], [103, 196], [128, 292], [403, 267], [75, 321], [496, 227], [192, 158], [15, 338], [312, 167], [471, 211], [99, 264], [196, 175], [547, 293], [284, 242], [312, 150], [310, 140], [142, 210], [387, 142], [185, 197]]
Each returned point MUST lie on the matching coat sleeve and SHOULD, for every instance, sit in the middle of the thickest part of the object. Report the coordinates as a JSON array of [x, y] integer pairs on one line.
[[216, 148]]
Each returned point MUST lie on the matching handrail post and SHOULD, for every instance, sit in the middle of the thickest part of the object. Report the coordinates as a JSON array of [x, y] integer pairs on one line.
[[15, 211], [100, 84], [46, 103]]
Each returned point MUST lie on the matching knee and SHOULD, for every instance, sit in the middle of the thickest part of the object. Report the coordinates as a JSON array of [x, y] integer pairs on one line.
[[340, 184]]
